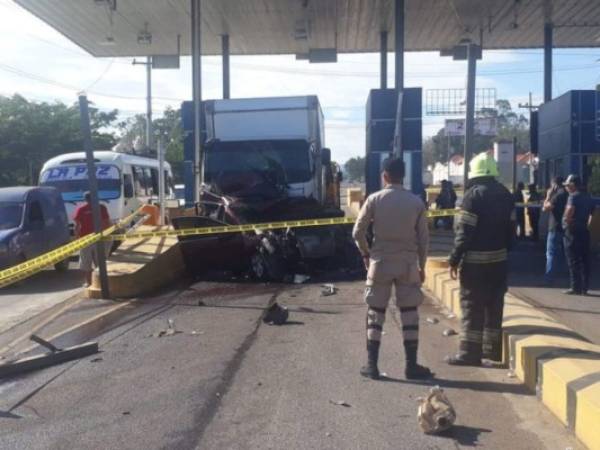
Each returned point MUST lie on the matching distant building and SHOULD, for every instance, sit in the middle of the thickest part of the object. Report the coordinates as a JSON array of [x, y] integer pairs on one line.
[[526, 163], [454, 173]]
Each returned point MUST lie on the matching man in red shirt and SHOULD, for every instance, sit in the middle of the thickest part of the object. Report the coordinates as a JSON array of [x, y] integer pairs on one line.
[[84, 225]]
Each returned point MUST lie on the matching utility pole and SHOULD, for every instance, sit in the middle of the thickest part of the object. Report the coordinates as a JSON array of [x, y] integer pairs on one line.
[[530, 106], [148, 65], [91, 169]]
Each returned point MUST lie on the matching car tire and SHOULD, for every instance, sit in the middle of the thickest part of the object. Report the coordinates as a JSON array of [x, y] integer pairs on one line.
[[62, 266]]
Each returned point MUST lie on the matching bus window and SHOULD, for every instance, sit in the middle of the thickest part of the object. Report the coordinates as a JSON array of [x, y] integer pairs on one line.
[[168, 183], [139, 183], [128, 186], [155, 189], [149, 182]]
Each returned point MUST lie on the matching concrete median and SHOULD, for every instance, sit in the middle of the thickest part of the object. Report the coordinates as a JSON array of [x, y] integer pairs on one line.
[[552, 360]]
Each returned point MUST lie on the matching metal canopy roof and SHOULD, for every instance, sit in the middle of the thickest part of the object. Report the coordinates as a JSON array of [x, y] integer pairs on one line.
[[294, 26]]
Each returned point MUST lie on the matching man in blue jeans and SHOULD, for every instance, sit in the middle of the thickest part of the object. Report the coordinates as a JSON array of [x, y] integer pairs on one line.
[[555, 203]]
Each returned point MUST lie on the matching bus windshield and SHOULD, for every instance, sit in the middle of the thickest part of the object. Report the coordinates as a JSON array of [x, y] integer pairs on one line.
[[11, 214], [72, 181]]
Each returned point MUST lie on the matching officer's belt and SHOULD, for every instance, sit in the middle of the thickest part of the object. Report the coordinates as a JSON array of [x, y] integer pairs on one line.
[[480, 257]]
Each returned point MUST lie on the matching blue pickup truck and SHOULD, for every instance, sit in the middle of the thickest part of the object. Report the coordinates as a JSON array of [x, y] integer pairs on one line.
[[33, 221]]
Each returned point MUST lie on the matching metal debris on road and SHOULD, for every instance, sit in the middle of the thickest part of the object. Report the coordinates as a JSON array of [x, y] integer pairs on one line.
[[299, 278], [449, 332], [435, 412], [96, 360], [276, 315], [432, 320], [340, 403], [328, 289], [450, 316]]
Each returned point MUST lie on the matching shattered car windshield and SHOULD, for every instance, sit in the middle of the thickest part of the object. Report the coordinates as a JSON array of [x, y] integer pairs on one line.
[[259, 156]]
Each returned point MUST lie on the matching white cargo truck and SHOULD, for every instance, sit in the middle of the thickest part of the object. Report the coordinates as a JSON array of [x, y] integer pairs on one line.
[[262, 134]]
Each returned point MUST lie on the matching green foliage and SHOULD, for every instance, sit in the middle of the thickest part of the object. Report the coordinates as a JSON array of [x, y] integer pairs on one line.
[[509, 124], [355, 169], [32, 132]]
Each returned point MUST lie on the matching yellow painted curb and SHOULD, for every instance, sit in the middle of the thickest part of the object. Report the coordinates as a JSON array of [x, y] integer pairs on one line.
[[547, 356]]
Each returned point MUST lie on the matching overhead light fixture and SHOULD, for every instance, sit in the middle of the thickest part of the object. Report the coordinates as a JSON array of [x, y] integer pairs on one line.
[[108, 42], [144, 37], [301, 30], [111, 4]]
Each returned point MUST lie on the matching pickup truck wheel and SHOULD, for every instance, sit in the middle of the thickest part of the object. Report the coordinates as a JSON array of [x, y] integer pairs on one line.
[[62, 266]]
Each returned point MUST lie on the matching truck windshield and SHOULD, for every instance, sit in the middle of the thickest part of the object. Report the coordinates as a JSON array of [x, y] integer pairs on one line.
[[291, 156], [11, 214], [72, 181]]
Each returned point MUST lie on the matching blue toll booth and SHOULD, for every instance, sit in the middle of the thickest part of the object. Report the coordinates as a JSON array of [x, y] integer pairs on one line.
[[568, 138], [381, 124]]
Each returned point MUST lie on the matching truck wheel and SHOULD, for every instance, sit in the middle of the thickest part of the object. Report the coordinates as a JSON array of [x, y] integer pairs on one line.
[[62, 266]]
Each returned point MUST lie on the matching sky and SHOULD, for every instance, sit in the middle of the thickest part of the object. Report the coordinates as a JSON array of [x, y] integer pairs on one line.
[[40, 64]]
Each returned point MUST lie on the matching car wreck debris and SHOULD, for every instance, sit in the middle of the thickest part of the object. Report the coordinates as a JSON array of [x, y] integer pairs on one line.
[[435, 412]]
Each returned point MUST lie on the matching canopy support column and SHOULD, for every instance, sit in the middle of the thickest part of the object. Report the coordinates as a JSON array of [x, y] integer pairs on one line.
[[383, 59], [470, 113], [225, 51], [197, 94], [548, 36], [399, 45]]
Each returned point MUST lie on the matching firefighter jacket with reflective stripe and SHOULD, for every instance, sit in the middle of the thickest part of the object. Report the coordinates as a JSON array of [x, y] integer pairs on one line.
[[484, 226]]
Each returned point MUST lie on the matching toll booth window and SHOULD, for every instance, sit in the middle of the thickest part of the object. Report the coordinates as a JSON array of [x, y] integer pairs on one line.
[[35, 213]]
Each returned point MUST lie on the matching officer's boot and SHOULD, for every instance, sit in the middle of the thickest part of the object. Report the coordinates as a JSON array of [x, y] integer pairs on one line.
[[371, 370], [414, 371]]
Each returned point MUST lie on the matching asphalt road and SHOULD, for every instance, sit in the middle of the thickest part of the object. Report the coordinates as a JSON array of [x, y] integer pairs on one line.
[[225, 380], [26, 299]]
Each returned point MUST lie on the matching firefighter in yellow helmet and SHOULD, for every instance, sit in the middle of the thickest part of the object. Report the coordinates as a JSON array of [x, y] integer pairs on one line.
[[484, 231]]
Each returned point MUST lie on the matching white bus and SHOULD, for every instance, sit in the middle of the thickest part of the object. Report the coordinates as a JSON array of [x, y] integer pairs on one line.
[[125, 181]]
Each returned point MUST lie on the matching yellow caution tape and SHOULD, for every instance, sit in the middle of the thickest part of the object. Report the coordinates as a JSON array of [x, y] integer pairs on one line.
[[34, 265], [203, 231]]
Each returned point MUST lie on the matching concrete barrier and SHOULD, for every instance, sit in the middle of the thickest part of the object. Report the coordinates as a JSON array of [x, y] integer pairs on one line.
[[141, 266], [552, 360]]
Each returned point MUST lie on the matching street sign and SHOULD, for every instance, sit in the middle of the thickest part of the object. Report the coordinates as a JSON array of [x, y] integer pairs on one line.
[[484, 126]]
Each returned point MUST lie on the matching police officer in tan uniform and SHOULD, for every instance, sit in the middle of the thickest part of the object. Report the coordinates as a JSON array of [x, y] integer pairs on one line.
[[396, 257]]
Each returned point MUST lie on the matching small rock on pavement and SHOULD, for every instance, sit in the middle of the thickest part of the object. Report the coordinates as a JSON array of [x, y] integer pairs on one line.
[[450, 316], [432, 320], [449, 332], [96, 360]]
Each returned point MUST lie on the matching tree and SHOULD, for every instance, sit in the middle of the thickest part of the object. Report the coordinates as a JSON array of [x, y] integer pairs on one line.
[[168, 128], [509, 125], [355, 169], [33, 132]]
